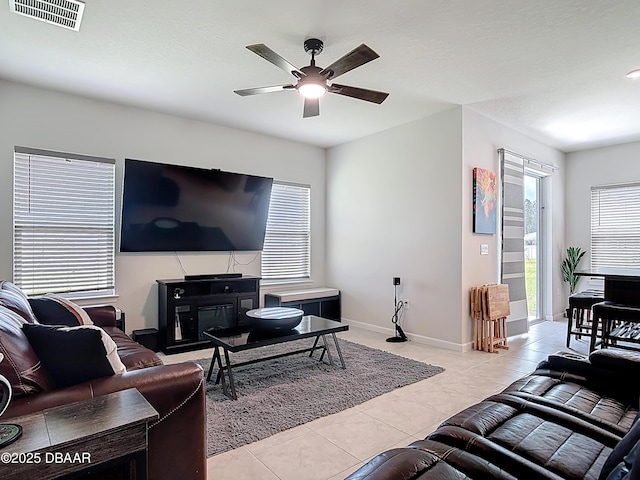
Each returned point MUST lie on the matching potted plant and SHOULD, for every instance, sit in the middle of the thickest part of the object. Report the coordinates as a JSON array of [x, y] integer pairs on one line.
[[569, 267]]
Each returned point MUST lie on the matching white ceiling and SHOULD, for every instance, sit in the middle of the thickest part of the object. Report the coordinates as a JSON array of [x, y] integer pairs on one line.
[[552, 69]]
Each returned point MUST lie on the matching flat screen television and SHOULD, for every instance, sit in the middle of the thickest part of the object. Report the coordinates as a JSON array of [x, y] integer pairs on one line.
[[177, 208]]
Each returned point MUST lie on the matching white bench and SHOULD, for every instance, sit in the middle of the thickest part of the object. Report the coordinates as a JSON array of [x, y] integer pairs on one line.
[[322, 301]]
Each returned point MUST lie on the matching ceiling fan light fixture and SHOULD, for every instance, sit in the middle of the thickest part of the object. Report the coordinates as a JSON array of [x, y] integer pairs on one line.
[[313, 81], [312, 89], [634, 74]]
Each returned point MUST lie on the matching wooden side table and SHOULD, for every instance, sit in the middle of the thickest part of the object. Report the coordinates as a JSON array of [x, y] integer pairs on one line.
[[81, 437]]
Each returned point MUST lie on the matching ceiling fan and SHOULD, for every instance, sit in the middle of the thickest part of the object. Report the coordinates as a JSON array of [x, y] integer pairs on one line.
[[313, 81]]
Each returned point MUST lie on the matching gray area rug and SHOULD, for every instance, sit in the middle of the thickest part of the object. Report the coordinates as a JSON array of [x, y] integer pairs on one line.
[[286, 392]]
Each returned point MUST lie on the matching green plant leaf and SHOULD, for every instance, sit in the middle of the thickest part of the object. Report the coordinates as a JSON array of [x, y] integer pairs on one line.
[[570, 265]]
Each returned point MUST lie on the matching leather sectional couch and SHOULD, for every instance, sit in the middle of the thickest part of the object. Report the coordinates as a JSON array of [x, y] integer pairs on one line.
[[177, 440], [573, 418]]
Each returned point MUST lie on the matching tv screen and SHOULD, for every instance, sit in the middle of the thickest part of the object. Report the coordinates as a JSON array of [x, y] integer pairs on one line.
[[178, 208]]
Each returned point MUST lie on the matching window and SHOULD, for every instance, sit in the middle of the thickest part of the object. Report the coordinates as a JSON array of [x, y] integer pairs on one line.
[[615, 226], [63, 223], [286, 254]]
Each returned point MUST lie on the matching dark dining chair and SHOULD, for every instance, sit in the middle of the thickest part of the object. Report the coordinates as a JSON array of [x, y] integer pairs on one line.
[[620, 326], [580, 305]]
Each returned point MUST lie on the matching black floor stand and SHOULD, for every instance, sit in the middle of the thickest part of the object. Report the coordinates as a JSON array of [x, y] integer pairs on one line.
[[399, 336], [396, 339]]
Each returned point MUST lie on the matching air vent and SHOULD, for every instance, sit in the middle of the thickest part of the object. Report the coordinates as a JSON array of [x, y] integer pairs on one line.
[[64, 13]]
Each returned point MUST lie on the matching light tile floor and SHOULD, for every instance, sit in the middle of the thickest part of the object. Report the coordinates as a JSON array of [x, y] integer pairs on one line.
[[332, 447]]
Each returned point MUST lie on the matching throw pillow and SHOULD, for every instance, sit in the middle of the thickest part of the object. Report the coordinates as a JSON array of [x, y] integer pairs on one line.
[[12, 298], [73, 355], [21, 365], [52, 309], [12, 287]]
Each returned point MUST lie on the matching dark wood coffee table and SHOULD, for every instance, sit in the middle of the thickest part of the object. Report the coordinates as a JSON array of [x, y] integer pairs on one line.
[[249, 339]]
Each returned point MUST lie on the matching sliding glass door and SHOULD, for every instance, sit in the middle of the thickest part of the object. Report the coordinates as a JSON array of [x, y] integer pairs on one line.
[[533, 247]]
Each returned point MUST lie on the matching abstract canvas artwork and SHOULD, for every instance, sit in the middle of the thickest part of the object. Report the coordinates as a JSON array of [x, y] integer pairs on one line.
[[484, 201]]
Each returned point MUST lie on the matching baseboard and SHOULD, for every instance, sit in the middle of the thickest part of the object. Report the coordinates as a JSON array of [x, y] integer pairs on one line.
[[517, 327], [433, 342]]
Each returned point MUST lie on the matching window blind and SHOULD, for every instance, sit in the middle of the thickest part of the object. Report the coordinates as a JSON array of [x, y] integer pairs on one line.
[[615, 226], [286, 253], [64, 223]]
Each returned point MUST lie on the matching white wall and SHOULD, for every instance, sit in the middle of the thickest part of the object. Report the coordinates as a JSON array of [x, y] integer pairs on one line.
[[38, 118], [599, 166], [482, 138], [393, 210], [399, 203]]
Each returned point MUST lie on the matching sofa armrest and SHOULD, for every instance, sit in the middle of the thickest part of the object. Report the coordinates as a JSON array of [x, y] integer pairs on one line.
[[103, 315], [617, 360], [164, 386], [566, 362], [427, 459], [597, 361], [402, 463]]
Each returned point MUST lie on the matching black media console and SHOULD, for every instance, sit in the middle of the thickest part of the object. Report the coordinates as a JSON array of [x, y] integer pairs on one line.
[[187, 307]]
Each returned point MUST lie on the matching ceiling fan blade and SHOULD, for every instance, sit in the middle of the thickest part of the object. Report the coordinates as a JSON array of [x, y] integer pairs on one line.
[[271, 56], [259, 90], [355, 58], [311, 107], [359, 93]]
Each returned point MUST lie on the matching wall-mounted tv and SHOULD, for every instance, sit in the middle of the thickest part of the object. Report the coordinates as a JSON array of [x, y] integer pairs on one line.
[[177, 208]]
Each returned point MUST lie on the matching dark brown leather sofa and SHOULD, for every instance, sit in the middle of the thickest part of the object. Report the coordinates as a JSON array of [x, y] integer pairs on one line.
[[176, 441], [573, 418]]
